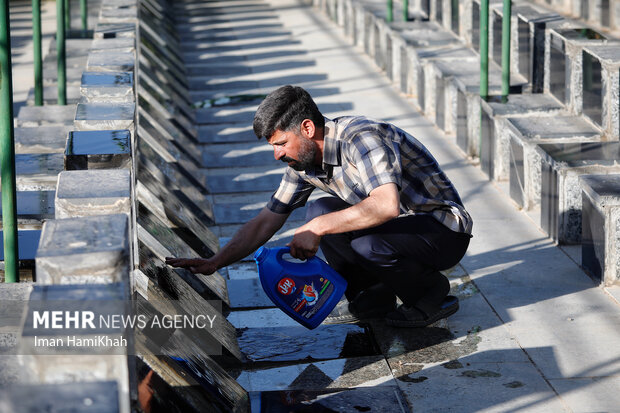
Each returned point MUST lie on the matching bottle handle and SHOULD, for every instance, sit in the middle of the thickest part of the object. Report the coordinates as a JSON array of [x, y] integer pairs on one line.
[[287, 250]]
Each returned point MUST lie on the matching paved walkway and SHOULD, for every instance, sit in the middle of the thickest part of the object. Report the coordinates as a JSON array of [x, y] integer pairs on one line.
[[534, 333]]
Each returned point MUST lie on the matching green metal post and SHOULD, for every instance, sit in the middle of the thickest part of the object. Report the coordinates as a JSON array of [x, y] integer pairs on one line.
[[484, 58], [67, 15], [84, 14], [61, 54], [390, 11], [7, 150], [506, 49], [36, 44], [405, 10]]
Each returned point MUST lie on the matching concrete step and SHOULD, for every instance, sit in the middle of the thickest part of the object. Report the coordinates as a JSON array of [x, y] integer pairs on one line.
[[43, 139]]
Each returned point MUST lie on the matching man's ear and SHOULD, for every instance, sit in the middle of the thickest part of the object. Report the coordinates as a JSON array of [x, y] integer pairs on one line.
[[308, 130]]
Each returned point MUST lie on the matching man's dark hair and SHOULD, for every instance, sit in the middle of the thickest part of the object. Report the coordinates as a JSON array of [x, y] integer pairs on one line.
[[284, 109]]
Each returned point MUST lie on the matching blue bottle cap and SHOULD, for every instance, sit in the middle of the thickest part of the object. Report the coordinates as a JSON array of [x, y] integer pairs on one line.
[[261, 254]]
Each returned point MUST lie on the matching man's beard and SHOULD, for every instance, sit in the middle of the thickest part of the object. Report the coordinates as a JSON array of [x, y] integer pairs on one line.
[[307, 153]]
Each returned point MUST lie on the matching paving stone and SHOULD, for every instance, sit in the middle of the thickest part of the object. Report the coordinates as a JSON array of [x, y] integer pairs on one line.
[[169, 295], [33, 207], [332, 374], [50, 95], [27, 244], [84, 250], [235, 114], [176, 215], [167, 103], [109, 86], [120, 44], [97, 192], [225, 133], [300, 344], [192, 383], [258, 152], [99, 397], [97, 116], [167, 244], [37, 172], [184, 170], [242, 179], [110, 61], [33, 116], [98, 150], [378, 399], [587, 393], [114, 30], [247, 293], [43, 139]]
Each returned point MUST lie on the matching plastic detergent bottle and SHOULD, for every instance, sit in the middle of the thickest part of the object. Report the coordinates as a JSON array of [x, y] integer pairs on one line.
[[307, 291]]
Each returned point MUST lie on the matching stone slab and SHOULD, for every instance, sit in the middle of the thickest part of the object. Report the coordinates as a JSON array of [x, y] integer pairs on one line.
[[100, 149], [110, 61], [540, 128], [247, 293], [176, 215], [34, 206], [300, 344], [258, 152], [114, 30], [240, 213], [50, 95], [84, 250], [163, 242], [93, 397], [43, 139], [588, 393], [226, 133], [155, 173], [33, 116], [334, 374], [242, 179], [109, 86], [97, 192], [120, 44], [97, 116], [37, 172], [361, 399], [522, 105]]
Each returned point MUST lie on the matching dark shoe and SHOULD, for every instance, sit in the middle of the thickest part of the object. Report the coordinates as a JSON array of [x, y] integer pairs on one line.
[[372, 303], [406, 316]]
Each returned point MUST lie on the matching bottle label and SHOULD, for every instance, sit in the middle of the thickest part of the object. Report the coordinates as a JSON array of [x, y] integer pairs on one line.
[[306, 295]]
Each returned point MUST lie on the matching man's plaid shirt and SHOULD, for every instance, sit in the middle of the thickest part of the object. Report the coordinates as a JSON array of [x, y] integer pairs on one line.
[[361, 154]]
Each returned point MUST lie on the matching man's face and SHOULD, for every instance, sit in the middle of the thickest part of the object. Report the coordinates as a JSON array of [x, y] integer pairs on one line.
[[292, 148]]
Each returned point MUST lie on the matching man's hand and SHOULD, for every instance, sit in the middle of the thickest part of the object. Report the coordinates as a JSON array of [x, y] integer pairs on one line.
[[305, 242], [195, 265]]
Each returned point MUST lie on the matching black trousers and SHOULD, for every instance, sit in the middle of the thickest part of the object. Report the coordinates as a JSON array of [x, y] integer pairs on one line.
[[405, 254]]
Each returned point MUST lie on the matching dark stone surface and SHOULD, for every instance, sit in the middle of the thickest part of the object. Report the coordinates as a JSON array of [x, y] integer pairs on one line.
[[167, 205], [300, 344], [475, 26], [86, 397], [363, 399], [461, 121], [557, 69], [592, 88], [34, 206], [247, 293], [421, 85], [103, 149], [549, 200], [517, 174], [592, 238], [440, 103], [454, 10], [28, 242], [574, 155], [497, 36], [524, 49], [487, 151], [161, 180]]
